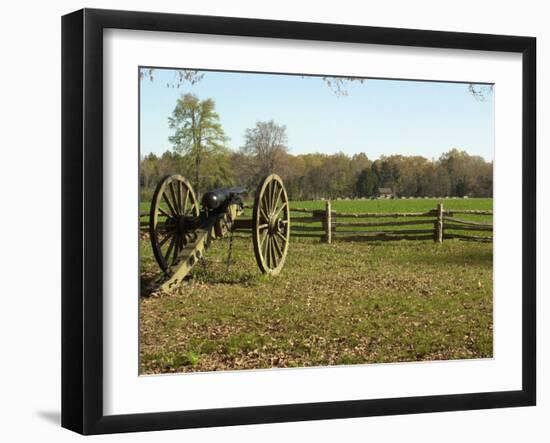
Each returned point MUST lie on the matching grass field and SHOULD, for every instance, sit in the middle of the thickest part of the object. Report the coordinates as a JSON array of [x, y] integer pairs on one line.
[[344, 303]]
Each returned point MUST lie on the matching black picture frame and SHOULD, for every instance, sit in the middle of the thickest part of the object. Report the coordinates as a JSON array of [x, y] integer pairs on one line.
[[82, 218]]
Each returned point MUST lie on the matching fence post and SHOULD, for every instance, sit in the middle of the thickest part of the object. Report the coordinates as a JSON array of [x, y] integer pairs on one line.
[[438, 231], [328, 222]]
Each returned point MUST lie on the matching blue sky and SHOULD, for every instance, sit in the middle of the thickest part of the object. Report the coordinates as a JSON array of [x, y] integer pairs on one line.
[[377, 117]]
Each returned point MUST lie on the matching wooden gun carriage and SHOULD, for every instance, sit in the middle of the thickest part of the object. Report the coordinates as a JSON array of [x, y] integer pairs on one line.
[[181, 230]]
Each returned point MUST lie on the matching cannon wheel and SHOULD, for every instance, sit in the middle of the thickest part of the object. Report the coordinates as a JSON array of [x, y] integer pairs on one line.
[[271, 225], [173, 201]]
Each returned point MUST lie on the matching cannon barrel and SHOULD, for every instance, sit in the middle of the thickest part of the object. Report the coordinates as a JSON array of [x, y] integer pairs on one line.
[[214, 199]]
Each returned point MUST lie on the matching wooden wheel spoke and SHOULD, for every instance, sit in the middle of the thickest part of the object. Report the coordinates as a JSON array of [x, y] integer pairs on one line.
[[181, 194], [265, 247], [263, 236], [169, 204], [177, 249], [277, 198], [184, 204], [277, 247], [267, 199], [263, 226], [270, 251], [281, 236], [162, 211], [165, 239], [273, 252], [175, 199], [285, 204], [263, 214], [264, 208], [170, 248], [274, 195]]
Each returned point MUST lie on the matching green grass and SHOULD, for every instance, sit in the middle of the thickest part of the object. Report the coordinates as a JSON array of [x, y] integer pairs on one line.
[[344, 303]]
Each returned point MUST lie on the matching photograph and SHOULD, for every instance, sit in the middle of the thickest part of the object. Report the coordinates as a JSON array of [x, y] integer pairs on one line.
[[298, 220], [289, 218]]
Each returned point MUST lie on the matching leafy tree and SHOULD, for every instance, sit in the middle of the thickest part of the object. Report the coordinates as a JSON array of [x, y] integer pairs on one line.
[[362, 184], [148, 171], [198, 132], [314, 176]]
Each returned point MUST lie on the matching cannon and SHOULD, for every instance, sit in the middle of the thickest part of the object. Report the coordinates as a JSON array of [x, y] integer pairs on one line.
[[181, 230], [217, 198]]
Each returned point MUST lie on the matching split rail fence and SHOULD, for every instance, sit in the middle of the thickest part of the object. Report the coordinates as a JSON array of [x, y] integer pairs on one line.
[[328, 225], [367, 226]]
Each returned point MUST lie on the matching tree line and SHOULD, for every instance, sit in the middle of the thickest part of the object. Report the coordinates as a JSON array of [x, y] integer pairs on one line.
[[315, 176], [200, 153]]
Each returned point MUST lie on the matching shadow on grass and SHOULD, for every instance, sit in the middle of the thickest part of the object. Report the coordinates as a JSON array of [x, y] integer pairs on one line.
[[482, 259], [381, 239], [226, 276], [424, 253], [150, 282]]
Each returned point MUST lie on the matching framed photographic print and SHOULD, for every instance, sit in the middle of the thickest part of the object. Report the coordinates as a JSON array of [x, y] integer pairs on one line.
[[269, 221]]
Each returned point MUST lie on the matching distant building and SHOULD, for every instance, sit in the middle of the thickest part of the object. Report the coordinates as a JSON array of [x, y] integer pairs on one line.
[[385, 193]]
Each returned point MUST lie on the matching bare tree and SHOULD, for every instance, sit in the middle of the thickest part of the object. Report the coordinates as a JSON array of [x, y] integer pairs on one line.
[[339, 85], [267, 143]]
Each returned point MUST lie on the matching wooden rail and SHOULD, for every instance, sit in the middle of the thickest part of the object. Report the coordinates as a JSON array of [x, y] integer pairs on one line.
[[329, 226], [338, 226]]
